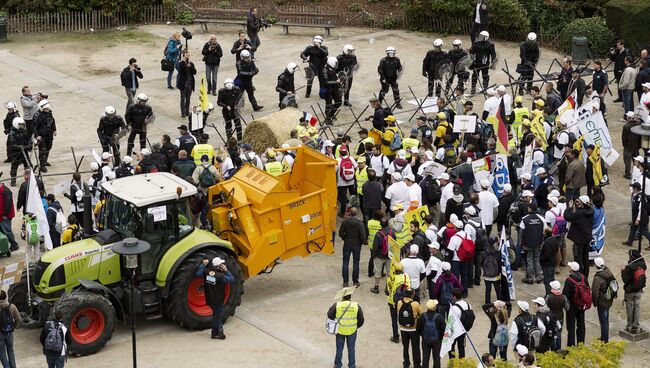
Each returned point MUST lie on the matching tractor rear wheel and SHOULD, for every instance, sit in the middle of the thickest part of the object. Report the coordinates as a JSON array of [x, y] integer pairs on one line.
[[18, 293], [186, 304], [91, 320]]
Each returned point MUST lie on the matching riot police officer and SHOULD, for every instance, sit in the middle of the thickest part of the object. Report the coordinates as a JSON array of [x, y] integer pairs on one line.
[[333, 93], [389, 70], [285, 84], [455, 55], [347, 63], [228, 98], [110, 127], [20, 141], [483, 54], [316, 54], [44, 131], [137, 117], [430, 65], [12, 113], [529, 54], [246, 70]]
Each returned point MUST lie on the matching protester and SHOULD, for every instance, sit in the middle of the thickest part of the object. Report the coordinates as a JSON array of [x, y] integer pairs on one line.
[[431, 328], [498, 313], [55, 340], [634, 282], [603, 292], [526, 329], [396, 285], [353, 234], [408, 311], [580, 215], [349, 317], [11, 320], [574, 289]]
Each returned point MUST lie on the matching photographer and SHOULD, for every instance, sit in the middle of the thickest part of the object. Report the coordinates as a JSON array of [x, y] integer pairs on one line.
[[580, 216], [242, 44], [129, 77], [215, 275], [212, 57], [30, 106], [172, 53], [185, 82], [253, 26], [44, 131]]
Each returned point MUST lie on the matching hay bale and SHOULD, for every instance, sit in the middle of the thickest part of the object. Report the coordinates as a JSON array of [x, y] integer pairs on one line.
[[271, 130]]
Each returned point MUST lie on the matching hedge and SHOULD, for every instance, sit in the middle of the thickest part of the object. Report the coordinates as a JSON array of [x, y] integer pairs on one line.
[[595, 29], [629, 20]]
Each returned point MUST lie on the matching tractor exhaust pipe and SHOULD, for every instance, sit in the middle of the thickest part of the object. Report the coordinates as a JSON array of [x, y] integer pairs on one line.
[[88, 210]]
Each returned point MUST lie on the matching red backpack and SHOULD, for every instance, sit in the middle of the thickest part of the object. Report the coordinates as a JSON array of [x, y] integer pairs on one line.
[[384, 241], [581, 294], [346, 169], [467, 249]]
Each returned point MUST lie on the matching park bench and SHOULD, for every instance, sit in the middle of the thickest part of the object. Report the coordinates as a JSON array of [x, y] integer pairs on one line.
[[311, 20], [203, 16]]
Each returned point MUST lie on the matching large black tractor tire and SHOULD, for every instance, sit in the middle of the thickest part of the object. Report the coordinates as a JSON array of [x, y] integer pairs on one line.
[[185, 304], [90, 318], [18, 293]]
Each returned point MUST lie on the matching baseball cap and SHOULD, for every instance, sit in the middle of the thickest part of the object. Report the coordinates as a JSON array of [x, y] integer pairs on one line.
[[422, 117], [390, 118], [540, 170], [458, 224], [414, 248], [555, 285], [490, 91], [485, 183], [501, 88], [521, 350], [363, 131], [434, 245], [646, 85], [584, 199], [127, 159], [182, 127], [527, 193], [554, 193], [216, 261], [106, 155], [396, 176], [444, 176], [524, 306], [145, 152], [599, 262], [574, 266], [539, 301], [361, 159], [526, 176], [343, 149], [507, 188], [410, 177], [446, 266], [553, 200]]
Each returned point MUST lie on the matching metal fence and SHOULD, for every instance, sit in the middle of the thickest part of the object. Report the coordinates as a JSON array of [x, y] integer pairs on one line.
[[81, 21]]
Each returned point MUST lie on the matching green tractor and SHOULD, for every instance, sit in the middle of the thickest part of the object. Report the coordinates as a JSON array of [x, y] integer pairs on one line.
[[86, 279]]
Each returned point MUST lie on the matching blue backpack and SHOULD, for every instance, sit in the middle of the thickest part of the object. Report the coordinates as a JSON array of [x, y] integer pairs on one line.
[[430, 333], [446, 293], [396, 142]]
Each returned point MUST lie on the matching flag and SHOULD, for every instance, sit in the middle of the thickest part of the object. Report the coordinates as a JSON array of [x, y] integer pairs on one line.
[[500, 129], [567, 112], [537, 127], [597, 165], [203, 94], [309, 118], [500, 174], [35, 207], [506, 270], [598, 233], [453, 329]]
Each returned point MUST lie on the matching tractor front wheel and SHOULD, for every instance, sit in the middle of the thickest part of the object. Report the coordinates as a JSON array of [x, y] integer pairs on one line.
[[18, 292], [186, 304], [91, 320]]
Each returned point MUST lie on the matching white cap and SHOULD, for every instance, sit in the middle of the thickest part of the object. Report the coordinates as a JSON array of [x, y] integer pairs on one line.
[[106, 155], [401, 154], [555, 285], [527, 193], [507, 187], [328, 143], [434, 245], [145, 152], [414, 248], [110, 175], [554, 193], [429, 155], [444, 176], [470, 210], [453, 218], [646, 85], [501, 88], [490, 91], [485, 183], [523, 305], [539, 301], [521, 350], [553, 200], [458, 224], [216, 261], [574, 266], [127, 159], [526, 176], [540, 170], [446, 266], [629, 114], [638, 159], [396, 176], [584, 199], [410, 177], [94, 166], [599, 262]]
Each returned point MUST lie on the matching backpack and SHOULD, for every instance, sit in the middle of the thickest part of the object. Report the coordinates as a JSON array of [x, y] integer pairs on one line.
[[446, 289], [612, 290], [582, 294], [430, 332], [406, 317], [431, 192], [31, 225], [639, 279], [396, 142], [54, 339], [467, 317], [7, 321], [384, 242], [466, 250], [481, 239], [346, 169], [531, 336], [550, 323], [450, 155], [501, 336], [206, 179], [490, 264], [76, 234], [61, 221], [560, 226], [398, 169]]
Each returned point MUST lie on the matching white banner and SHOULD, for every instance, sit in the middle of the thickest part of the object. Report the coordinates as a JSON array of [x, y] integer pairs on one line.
[[481, 169], [35, 207], [593, 127]]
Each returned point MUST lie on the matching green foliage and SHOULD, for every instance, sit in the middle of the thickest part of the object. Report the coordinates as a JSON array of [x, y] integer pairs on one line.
[[509, 14], [185, 17], [279, 2], [628, 18], [354, 7], [596, 31], [272, 19], [462, 363], [223, 4], [389, 21], [595, 355]]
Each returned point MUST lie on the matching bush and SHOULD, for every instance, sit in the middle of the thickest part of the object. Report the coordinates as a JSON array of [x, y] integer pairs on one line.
[[628, 18], [354, 8], [510, 15], [596, 31], [279, 2], [223, 4], [184, 17], [389, 21]]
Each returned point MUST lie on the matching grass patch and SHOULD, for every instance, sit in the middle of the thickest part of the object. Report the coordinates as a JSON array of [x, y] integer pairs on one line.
[[108, 38]]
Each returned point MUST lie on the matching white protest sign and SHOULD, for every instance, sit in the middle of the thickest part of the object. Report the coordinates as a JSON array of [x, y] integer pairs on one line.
[[428, 106], [464, 123]]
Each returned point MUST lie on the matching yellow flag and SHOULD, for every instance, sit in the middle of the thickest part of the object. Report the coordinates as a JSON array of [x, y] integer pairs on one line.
[[596, 165], [203, 94], [578, 146], [537, 127]]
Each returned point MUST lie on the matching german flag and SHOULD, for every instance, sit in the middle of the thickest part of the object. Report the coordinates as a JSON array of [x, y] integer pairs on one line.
[[500, 129]]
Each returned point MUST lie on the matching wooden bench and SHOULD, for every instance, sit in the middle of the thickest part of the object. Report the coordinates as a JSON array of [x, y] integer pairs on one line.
[[310, 20], [203, 16]]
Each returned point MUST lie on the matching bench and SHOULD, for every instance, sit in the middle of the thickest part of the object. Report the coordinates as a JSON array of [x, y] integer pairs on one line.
[[203, 16], [310, 20]]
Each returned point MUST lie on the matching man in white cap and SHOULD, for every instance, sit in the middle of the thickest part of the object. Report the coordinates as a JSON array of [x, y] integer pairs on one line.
[[414, 192], [520, 352], [580, 215], [507, 99], [531, 238], [216, 278], [575, 289], [95, 183], [400, 164], [526, 329], [491, 105], [397, 193], [558, 304], [488, 204], [505, 202], [544, 181], [555, 215], [604, 290], [434, 266], [379, 162], [415, 268], [543, 314], [459, 268], [125, 169], [447, 192], [527, 181], [349, 316]]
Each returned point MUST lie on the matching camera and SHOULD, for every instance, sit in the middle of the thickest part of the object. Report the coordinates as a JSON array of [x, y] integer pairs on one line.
[[187, 34], [264, 23], [42, 95], [137, 67]]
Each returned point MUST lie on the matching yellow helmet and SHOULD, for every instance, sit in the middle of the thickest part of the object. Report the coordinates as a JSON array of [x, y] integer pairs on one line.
[[313, 131], [442, 116], [271, 153], [390, 118], [519, 99], [539, 102]]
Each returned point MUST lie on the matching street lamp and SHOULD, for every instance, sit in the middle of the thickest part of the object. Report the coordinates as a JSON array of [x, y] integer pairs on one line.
[[130, 248], [643, 130]]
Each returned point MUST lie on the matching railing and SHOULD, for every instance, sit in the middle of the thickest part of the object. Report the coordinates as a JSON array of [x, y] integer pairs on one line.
[[81, 21]]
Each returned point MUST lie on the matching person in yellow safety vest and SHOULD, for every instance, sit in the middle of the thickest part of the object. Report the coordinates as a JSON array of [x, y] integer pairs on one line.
[[458, 105], [537, 127], [387, 137], [203, 148], [360, 148], [443, 128], [517, 116], [287, 159], [411, 142], [400, 225], [362, 177], [346, 142], [373, 226], [349, 317], [302, 126], [272, 167], [397, 279]]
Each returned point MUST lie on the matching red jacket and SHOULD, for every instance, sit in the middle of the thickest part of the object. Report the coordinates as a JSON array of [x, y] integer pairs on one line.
[[6, 203]]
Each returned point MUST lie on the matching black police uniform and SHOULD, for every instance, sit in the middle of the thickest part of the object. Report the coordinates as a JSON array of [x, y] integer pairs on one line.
[[455, 55], [230, 98], [136, 117], [346, 64], [333, 93], [389, 70], [108, 127], [317, 57], [44, 127], [529, 55], [19, 139], [285, 84], [430, 64], [246, 70], [484, 54], [8, 125]]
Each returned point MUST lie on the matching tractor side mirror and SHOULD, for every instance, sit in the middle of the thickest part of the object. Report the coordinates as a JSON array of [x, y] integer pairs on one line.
[[149, 223]]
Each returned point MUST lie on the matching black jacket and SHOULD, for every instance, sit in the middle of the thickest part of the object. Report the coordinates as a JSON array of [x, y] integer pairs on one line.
[[186, 75], [618, 57], [212, 54], [21, 202], [504, 205], [433, 316], [580, 86], [136, 116], [455, 55], [316, 56], [9, 120], [44, 124], [482, 12], [346, 63], [627, 275], [330, 77], [547, 257], [127, 80], [253, 25], [631, 142], [110, 125], [432, 60], [581, 220], [49, 325], [378, 117], [389, 68], [483, 52], [376, 242], [235, 48], [20, 138], [215, 285], [246, 70], [642, 77], [285, 82], [373, 192], [228, 97], [529, 53], [569, 288], [353, 232]]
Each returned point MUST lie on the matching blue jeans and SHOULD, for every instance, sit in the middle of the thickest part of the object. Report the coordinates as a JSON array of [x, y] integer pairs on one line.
[[603, 318], [7, 357], [549, 276], [628, 102], [503, 351], [634, 229], [211, 71], [5, 227], [55, 362], [558, 337], [217, 324], [340, 341], [356, 255]]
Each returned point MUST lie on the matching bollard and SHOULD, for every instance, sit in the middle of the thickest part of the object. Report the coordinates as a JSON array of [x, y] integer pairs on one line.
[[579, 49]]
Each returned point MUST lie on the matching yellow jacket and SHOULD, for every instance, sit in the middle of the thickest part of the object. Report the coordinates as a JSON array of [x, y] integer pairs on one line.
[[393, 281], [386, 138]]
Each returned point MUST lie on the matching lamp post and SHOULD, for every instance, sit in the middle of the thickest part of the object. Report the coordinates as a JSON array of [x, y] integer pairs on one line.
[[130, 248], [643, 131]]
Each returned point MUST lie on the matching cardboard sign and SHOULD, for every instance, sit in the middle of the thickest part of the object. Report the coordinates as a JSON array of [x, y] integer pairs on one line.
[[12, 273], [418, 215], [464, 123]]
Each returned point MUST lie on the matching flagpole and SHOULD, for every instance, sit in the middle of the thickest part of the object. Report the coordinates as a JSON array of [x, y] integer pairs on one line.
[[475, 351]]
